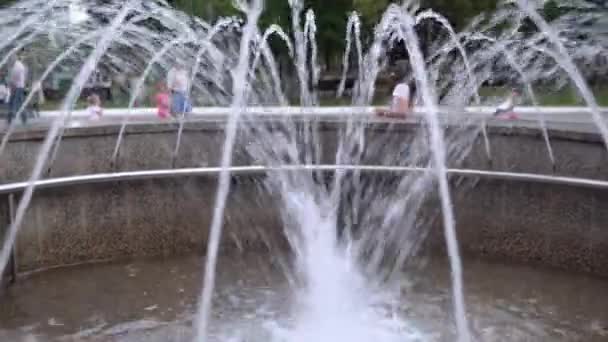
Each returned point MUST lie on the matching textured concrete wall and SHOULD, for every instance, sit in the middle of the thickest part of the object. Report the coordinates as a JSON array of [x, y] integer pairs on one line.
[[137, 219], [559, 226], [150, 146], [553, 225], [524, 150], [89, 150]]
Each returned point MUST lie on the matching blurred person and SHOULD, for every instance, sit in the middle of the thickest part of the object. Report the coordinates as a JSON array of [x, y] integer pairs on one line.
[[402, 103], [177, 81], [507, 108], [163, 101], [94, 110], [5, 93], [38, 99], [17, 80]]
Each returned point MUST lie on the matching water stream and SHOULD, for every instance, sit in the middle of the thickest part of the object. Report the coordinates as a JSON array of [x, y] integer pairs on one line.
[[566, 62], [340, 283], [439, 156], [253, 11], [57, 124]]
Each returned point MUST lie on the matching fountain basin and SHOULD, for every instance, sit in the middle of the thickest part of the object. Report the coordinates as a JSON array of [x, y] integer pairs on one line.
[[503, 216], [557, 225], [154, 300]]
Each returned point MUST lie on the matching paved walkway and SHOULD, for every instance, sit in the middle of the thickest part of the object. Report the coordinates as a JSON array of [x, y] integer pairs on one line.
[[576, 119]]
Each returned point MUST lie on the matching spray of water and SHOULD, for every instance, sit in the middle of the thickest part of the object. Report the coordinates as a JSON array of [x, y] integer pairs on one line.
[[28, 23], [264, 51], [438, 152], [502, 47], [42, 78], [353, 30], [253, 12], [334, 301], [206, 44], [430, 14], [139, 85], [69, 101], [566, 62]]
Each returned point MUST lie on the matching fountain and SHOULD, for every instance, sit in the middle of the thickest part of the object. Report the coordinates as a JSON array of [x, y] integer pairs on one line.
[[355, 206]]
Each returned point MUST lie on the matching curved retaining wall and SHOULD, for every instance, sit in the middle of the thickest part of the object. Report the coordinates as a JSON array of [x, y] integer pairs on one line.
[[578, 149], [555, 225], [140, 218]]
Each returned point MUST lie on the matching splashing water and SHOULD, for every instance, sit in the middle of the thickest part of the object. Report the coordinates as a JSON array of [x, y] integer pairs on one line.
[[566, 62], [254, 10], [430, 14], [335, 303], [438, 149], [339, 262], [353, 30], [502, 47], [69, 101]]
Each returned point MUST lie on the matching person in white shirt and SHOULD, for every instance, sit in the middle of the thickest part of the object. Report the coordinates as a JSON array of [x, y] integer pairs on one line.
[[402, 104], [507, 108], [177, 81], [17, 77]]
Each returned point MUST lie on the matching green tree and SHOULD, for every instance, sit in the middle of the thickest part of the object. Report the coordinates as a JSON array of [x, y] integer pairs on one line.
[[551, 10], [459, 12], [330, 18], [370, 11], [206, 9], [331, 26]]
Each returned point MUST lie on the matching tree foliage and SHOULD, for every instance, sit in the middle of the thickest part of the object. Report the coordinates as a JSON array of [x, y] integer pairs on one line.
[[332, 16], [459, 12]]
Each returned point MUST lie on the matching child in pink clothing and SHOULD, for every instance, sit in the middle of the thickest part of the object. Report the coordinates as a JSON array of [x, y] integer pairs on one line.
[[163, 101]]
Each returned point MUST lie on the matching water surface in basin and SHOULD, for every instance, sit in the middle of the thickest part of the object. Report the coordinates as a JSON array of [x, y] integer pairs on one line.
[[156, 300]]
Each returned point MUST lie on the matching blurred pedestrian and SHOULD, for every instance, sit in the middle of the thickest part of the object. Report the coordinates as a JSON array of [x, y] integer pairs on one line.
[[177, 81], [38, 99], [94, 110], [403, 100], [163, 101], [507, 108], [5, 93], [17, 80]]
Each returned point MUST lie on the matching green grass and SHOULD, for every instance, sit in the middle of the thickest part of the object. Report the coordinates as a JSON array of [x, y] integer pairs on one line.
[[117, 102], [548, 97]]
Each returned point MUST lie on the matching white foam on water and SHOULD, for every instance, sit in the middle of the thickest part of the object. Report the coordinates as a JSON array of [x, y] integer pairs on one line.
[[335, 302]]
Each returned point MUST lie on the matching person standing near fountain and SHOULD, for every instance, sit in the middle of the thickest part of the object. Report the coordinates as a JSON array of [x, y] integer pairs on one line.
[[17, 77], [177, 81], [404, 98], [163, 101]]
